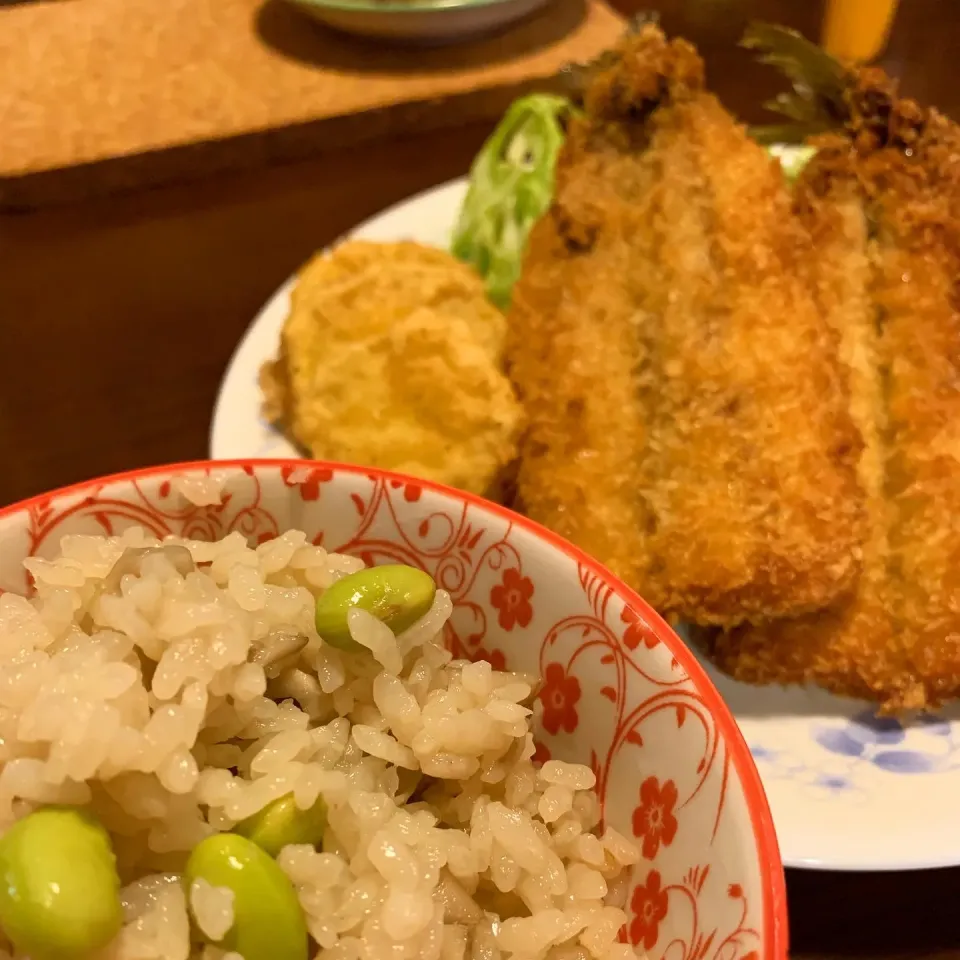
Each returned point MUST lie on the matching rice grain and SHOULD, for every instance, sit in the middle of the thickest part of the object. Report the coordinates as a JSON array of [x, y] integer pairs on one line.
[[178, 687]]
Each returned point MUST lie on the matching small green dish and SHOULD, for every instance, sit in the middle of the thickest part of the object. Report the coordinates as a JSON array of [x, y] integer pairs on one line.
[[421, 22]]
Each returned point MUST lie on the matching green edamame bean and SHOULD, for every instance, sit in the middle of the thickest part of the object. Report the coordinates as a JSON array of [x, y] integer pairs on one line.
[[268, 922], [59, 889], [396, 594], [283, 822]]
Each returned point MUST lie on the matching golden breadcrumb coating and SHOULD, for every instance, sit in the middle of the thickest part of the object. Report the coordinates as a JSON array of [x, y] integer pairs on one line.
[[883, 204], [573, 360], [832, 647], [391, 357], [688, 423], [749, 468], [917, 276]]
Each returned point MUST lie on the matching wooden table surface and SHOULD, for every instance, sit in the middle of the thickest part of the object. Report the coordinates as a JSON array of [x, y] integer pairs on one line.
[[118, 318]]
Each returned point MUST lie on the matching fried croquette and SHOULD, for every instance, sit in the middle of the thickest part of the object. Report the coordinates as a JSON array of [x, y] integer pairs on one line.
[[391, 357], [687, 420]]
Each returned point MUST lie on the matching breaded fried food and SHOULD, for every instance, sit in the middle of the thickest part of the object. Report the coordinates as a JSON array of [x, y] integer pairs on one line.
[[574, 353], [688, 423], [391, 357], [836, 648], [883, 201], [918, 271]]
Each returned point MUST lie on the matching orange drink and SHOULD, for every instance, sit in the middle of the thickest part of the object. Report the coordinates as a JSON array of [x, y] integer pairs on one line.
[[857, 30]]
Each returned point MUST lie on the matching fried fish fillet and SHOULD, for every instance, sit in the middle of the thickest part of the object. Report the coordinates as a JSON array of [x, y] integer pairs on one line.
[[883, 203], [918, 271], [833, 647], [687, 420]]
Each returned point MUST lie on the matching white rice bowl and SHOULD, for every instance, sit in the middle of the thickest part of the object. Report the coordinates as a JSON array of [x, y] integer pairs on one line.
[[177, 687]]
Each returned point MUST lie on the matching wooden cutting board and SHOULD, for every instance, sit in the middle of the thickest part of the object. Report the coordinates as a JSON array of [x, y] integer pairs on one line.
[[105, 95]]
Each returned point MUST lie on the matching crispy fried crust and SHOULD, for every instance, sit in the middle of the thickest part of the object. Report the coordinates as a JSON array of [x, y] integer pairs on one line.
[[918, 270], [572, 355], [573, 351], [749, 470], [850, 648], [897, 639], [391, 357], [680, 430]]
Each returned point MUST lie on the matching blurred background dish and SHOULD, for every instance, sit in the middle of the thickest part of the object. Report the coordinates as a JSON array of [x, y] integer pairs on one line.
[[431, 22]]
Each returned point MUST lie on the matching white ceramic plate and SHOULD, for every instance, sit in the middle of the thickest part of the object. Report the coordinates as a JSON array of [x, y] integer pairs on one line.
[[848, 791], [428, 22]]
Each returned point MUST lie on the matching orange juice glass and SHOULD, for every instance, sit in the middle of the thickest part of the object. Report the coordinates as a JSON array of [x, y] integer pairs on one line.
[[857, 30]]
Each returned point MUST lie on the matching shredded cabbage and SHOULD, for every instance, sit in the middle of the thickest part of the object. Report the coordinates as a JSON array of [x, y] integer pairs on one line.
[[511, 187], [792, 159]]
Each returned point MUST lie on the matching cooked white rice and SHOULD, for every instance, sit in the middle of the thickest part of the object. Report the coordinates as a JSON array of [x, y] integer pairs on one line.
[[177, 690]]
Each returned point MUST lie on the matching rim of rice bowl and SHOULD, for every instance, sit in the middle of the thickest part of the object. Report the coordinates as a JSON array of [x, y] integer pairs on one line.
[[415, 717]]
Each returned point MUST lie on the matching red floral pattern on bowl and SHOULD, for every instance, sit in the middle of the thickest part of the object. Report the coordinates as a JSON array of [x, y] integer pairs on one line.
[[560, 695], [620, 692], [654, 821], [512, 598]]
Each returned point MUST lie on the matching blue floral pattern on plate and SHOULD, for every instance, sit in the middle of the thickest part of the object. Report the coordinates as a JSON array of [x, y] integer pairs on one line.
[[850, 790], [883, 742], [925, 744], [817, 781]]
